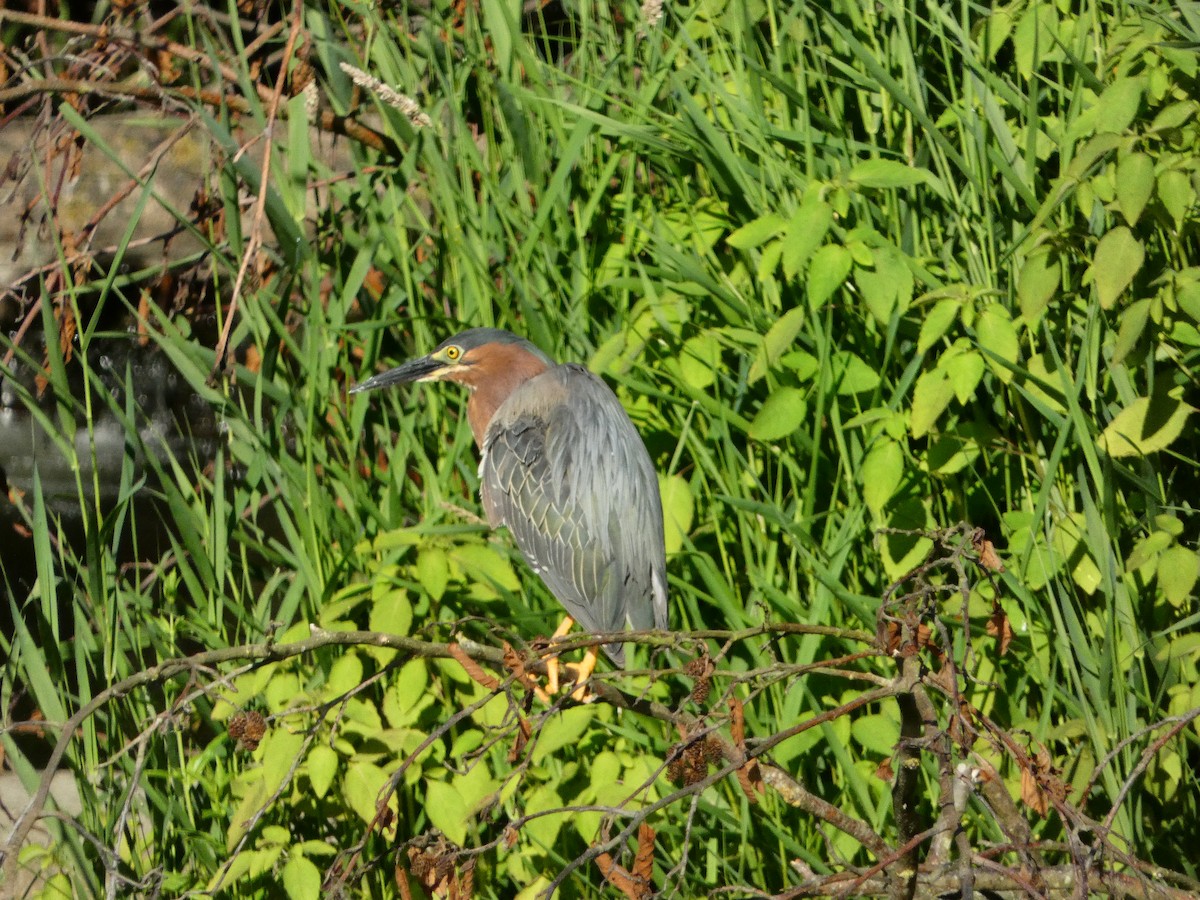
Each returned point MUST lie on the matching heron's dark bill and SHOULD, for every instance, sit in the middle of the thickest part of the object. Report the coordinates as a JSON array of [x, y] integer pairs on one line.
[[413, 370]]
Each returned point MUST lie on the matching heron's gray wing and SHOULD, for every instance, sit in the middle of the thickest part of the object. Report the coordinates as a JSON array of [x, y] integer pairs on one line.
[[566, 471]]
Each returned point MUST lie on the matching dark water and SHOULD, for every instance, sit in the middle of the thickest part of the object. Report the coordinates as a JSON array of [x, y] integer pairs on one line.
[[168, 420]]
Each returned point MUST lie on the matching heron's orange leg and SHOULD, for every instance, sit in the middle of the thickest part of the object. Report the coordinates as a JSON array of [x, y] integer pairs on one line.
[[552, 663], [581, 672]]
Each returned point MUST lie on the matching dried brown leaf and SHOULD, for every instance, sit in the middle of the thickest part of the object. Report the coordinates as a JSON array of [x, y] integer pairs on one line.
[[620, 878], [643, 863], [521, 740], [253, 359], [374, 283], [737, 722], [924, 635], [67, 327], [514, 662], [750, 778], [988, 557], [1032, 795], [434, 867], [890, 637], [998, 626], [473, 668], [463, 886], [943, 678], [898, 638]]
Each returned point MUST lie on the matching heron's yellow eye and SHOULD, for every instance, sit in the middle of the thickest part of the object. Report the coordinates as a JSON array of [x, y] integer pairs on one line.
[[453, 353]]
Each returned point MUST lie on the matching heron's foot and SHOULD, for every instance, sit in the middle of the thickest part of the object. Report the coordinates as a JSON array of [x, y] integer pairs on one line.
[[579, 675]]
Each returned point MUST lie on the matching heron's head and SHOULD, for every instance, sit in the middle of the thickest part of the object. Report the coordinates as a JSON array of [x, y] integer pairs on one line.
[[477, 357]]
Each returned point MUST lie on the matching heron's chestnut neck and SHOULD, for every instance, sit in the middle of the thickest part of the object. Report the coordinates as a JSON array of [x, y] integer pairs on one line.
[[498, 371]]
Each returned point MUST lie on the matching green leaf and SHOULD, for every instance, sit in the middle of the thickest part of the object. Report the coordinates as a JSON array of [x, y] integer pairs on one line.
[[1176, 193], [1174, 115], [964, 367], [880, 475], [1178, 570], [1037, 282], [246, 865], [1027, 547], [476, 786], [803, 363], [997, 27], [1072, 547], [888, 173], [700, 359], [805, 233], [605, 789], [561, 730], [1033, 38], [391, 612], [827, 271], [492, 714], [1096, 147], [281, 691], [1172, 525], [877, 732], [780, 415], [1187, 296], [887, 286], [402, 700], [997, 338], [536, 889], [301, 879], [447, 810], [1038, 369], [322, 766], [861, 252], [278, 751], [1164, 773], [931, 396], [956, 448], [1144, 557], [1118, 258], [937, 322], [756, 232], [433, 571], [491, 568], [779, 337], [543, 830], [362, 786], [1182, 647], [678, 507], [768, 261], [1147, 425], [851, 375], [1117, 107], [243, 816], [603, 773], [1135, 184], [1133, 323], [902, 550], [345, 676], [59, 885]]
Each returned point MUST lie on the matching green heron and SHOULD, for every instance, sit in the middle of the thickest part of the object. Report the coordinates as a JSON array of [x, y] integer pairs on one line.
[[564, 468]]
